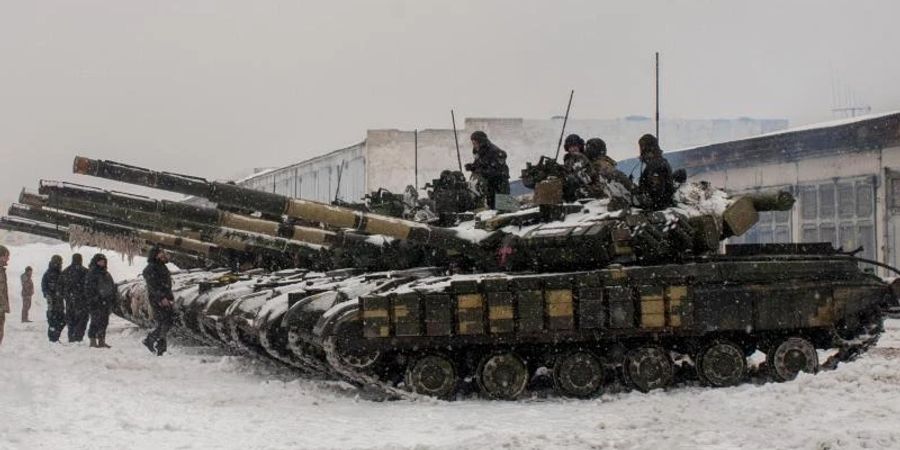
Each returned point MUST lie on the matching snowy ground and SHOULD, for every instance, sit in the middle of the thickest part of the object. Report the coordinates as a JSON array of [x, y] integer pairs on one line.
[[62, 396]]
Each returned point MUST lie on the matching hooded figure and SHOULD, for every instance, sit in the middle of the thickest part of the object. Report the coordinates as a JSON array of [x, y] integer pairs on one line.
[[99, 294], [71, 287], [4, 291], [656, 187], [56, 309], [489, 169], [159, 293]]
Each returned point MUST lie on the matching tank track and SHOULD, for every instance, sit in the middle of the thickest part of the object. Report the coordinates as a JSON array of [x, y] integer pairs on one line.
[[315, 351]]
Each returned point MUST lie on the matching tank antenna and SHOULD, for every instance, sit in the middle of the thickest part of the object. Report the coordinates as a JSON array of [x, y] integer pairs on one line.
[[565, 119], [657, 96], [456, 139], [416, 157]]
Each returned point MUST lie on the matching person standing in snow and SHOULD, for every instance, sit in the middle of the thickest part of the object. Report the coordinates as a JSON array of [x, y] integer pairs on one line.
[[489, 169], [656, 186], [99, 294], [159, 292], [56, 310], [4, 292], [71, 287], [27, 293]]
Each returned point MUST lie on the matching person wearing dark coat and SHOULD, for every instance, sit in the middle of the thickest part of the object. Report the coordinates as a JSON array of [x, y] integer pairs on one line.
[[4, 289], [489, 168], [27, 293], [71, 287], [159, 292], [56, 309], [579, 173], [656, 186], [99, 294]]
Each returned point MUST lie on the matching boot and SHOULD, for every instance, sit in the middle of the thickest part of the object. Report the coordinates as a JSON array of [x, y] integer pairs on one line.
[[101, 343], [93, 343]]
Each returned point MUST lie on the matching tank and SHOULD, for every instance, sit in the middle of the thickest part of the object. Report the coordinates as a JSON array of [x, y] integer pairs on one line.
[[593, 297]]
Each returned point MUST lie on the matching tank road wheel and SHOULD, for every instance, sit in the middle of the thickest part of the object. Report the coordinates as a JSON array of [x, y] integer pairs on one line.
[[648, 368], [503, 376], [722, 364], [432, 375], [579, 374], [790, 357], [360, 359]]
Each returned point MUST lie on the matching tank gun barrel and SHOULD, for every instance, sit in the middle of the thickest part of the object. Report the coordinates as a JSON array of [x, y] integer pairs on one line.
[[36, 228], [772, 201], [174, 215], [269, 203], [186, 254], [744, 211]]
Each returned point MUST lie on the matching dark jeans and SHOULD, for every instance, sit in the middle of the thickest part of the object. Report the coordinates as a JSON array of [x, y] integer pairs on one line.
[[99, 322], [56, 321], [164, 318], [77, 320]]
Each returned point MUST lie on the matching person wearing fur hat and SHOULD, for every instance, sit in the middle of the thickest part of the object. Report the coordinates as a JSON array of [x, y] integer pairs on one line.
[[56, 309], [99, 294], [159, 292], [489, 169], [4, 291]]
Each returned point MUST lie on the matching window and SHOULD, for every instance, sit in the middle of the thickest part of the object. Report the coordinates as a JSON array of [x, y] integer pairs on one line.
[[845, 211]]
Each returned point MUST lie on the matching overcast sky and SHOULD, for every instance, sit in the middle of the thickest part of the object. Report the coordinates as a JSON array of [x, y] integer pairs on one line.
[[216, 86]]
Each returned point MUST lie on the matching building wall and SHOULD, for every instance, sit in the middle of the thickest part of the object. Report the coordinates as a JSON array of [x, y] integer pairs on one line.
[[843, 198], [317, 179]]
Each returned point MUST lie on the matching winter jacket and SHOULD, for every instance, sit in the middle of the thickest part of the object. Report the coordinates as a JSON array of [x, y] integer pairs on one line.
[[27, 285], [50, 287], [490, 163], [99, 287], [656, 186], [4, 292], [159, 281], [71, 285]]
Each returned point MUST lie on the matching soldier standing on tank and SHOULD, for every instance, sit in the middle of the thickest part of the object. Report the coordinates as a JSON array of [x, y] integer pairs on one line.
[[579, 173], [27, 293], [71, 286], [614, 184], [4, 291], [159, 292], [656, 186], [100, 293], [489, 168], [56, 309]]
